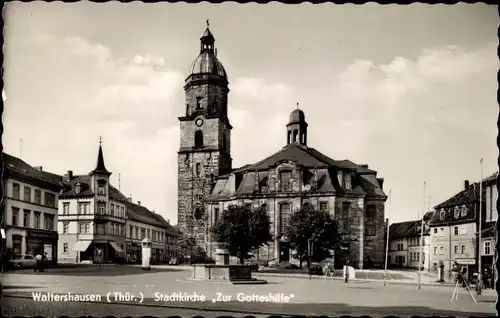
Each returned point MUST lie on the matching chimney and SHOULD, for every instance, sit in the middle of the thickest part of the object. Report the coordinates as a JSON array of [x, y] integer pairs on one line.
[[466, 184], [129, 199], [139, 203], [39, 168], [68, 176], [381, 183]]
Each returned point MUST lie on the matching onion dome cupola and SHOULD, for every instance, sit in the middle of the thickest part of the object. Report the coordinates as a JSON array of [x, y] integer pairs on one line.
[[296, 128], [100, 168], [207, 62]]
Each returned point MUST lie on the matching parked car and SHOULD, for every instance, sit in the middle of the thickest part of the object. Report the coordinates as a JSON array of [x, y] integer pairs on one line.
[[22, 261], [173, 261]]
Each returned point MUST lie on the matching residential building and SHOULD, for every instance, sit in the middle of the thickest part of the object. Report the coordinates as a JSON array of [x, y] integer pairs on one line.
[[172, 246], [142, 223], [407, 244], [98, 223], [92, 217], [489, 229], [294, 176], [453, 231], [30, 208]]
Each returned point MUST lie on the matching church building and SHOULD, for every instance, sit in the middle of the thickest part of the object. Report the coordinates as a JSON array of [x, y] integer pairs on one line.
[[294, 176]]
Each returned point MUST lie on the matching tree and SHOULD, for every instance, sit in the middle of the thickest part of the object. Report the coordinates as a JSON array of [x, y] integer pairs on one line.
[[319, 226], [242, 230]]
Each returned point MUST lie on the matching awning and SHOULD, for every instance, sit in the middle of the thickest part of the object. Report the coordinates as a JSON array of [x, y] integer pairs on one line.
[[3, 234], [116, 247], [81, 246]]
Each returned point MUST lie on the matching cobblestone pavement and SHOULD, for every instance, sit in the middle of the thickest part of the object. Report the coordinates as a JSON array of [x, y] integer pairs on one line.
[[307, 297]]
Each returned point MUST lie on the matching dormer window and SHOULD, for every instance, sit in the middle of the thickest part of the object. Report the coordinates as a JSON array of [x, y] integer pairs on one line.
[[347, 181], [463, 211], [456, 212], [442, 214], [78, 188]]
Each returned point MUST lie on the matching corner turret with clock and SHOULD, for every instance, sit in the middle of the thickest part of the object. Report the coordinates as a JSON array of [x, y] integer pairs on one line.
[[204, 150]]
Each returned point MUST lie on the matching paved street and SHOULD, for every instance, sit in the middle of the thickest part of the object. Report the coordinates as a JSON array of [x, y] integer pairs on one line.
[[26, 307], [307, 297]]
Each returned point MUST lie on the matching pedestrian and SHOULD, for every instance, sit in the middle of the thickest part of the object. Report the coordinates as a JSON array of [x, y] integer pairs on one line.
[[38, 259]]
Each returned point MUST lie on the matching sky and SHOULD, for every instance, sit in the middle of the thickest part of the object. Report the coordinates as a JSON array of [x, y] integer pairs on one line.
[[408, 90]]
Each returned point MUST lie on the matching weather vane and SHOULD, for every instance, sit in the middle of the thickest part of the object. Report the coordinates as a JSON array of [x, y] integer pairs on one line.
[[297, 105], [100, 140], [208, 23]]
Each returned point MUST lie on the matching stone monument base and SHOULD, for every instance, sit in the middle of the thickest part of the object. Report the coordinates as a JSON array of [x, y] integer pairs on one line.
[[236, 274]]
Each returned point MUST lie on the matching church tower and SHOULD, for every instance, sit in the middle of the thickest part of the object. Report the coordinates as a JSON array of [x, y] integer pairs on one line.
[[204, 151]]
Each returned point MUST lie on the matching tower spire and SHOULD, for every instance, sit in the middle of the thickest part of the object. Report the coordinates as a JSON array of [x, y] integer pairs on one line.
[[100, 167], [207, 40]]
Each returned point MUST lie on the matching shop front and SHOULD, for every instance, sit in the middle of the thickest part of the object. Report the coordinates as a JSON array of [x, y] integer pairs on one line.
[[133, 252], [468, 266], [42, 242]]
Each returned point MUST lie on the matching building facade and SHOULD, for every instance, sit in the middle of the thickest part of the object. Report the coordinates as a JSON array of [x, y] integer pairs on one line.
[[489, 231], [406, 244], [98, 224], [92, 217], [30, 209], [282, 183], [453, 231], [143, 223]]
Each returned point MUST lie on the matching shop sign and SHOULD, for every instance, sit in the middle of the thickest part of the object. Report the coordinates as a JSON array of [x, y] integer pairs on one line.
[[42, 235], [466, 261]]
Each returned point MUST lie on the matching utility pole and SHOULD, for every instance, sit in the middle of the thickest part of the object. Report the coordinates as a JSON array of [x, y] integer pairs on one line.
[[479, 280], [421, 231], [387, 239]]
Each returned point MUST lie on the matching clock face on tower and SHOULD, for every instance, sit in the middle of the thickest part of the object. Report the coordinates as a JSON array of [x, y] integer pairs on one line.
[[199, 122]]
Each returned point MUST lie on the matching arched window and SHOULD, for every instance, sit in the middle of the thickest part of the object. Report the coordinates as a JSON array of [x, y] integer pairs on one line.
[[212, 178], [289, 137], [295, 134], [306, 204], [198, 213], [198, 138], [264, 207]]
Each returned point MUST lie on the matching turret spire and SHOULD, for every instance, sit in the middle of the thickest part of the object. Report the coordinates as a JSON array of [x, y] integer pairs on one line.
[[100, 167]]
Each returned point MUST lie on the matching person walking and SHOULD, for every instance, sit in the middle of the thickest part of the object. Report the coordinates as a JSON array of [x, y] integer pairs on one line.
[[38, 259]]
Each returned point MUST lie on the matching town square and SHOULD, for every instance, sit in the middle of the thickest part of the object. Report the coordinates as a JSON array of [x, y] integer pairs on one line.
[[317, 296], [249, 160]]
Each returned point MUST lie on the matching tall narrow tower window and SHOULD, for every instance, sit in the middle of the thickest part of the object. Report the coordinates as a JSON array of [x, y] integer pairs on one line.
[[198, 103], [295, 133], [198, 139], [289, 137]]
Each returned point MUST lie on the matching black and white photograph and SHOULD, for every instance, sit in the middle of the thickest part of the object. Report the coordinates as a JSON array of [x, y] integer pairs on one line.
[[249, 160]]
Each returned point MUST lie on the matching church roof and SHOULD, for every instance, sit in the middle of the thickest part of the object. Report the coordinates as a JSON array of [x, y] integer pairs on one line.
[[364, 181]]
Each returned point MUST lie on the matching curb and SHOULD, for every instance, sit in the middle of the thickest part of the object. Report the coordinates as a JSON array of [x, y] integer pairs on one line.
[[389, 281], [219, 309]]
